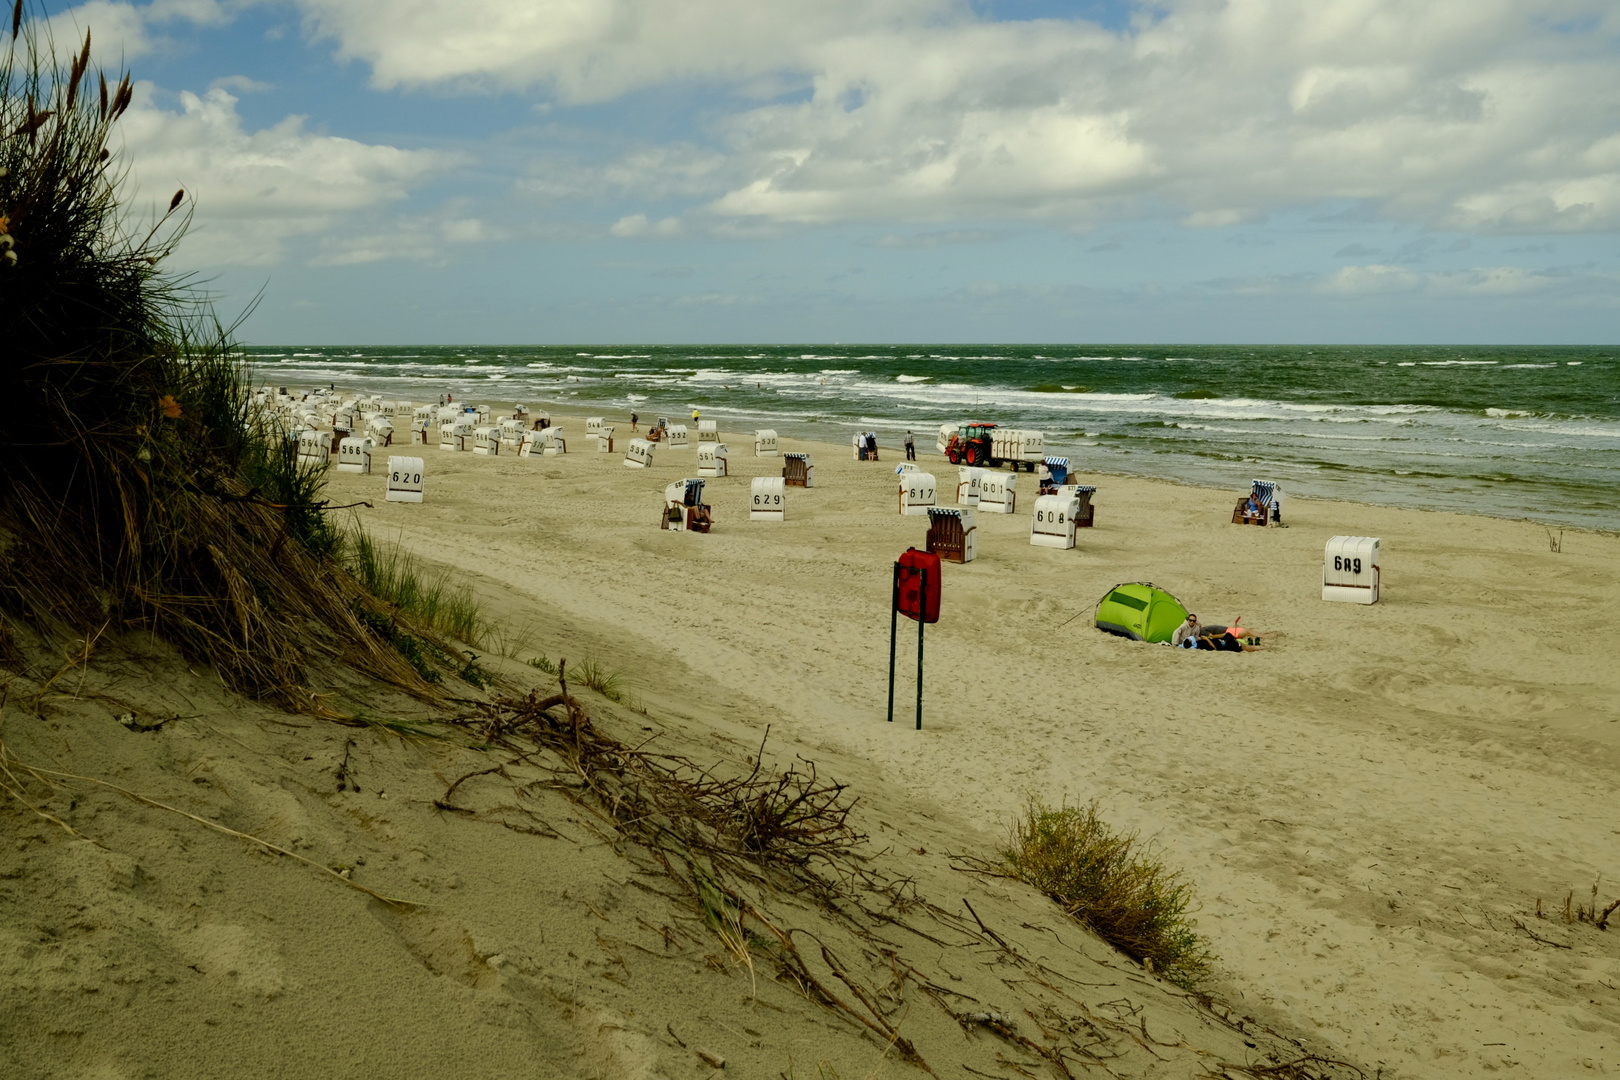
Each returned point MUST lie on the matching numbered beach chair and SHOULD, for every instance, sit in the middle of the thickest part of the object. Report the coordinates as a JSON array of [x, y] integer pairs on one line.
[[798, 470], [404, 480], [765, 442], [604, 439], [969, 485], [638, 454], [354, 455], [314, 447], [712, 459], [767, 499], [917, 493], [1054, 522], [998, 493], [708, 432], [951, 533], [1351, 569]]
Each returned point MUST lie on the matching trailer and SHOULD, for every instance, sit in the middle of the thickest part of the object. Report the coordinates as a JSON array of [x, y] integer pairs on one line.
[[992, 446]]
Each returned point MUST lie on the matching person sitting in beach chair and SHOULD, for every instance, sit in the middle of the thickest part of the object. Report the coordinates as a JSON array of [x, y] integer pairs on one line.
[[1262, 506]]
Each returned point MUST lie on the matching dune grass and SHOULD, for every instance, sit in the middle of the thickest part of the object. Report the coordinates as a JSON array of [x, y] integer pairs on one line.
[[433, 599], [139, 487], [1111, 882]]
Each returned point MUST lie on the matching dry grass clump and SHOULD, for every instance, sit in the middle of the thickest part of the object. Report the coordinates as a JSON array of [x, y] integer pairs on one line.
[[137, 489], [1109, 882]]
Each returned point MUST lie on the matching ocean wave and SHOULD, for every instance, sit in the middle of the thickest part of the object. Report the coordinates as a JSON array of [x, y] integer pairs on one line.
[[1458, 363], [913, 378]]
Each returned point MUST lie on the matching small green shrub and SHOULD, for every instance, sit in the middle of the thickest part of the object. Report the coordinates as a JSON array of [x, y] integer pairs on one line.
[[1109, 882], [543, 664], [474, 675]]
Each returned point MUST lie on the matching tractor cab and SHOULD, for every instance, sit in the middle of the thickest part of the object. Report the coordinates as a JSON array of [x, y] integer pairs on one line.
[[971, 444]]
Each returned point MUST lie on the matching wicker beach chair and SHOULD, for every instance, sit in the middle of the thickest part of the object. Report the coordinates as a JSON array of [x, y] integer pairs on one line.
[[951, 533]]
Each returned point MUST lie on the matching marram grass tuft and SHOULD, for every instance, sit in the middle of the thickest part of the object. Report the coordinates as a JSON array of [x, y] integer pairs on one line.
[[1109, 882], [138, 491]]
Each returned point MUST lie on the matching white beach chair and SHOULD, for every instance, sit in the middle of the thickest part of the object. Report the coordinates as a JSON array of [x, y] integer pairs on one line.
[[969, 485], [638, 454], [767, 497], [917, 493], [998, 492], [404, 480], [354, 455], [1053, 523], [711, 459], [1351, 569]]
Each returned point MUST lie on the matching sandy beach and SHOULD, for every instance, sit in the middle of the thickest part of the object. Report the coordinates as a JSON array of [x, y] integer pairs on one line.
[[1370, 809]]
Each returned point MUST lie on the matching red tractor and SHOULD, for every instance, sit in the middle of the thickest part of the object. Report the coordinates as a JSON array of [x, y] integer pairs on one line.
[[971, 445]]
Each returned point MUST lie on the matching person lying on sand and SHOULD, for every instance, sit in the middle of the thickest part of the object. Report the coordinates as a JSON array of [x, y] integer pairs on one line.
[[1235, 638]]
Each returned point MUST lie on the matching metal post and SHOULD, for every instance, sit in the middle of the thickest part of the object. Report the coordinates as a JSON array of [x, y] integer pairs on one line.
[[922, 620], [894, 624]]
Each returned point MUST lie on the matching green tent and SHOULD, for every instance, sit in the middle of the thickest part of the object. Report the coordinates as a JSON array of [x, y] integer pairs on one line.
[[1141, 611]]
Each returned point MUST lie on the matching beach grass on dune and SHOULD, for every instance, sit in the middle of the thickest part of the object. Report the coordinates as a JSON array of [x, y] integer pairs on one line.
[[434, 599], [1113, 883]]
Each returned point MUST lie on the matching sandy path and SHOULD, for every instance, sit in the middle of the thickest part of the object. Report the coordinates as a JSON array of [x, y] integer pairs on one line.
[[1366, 809]]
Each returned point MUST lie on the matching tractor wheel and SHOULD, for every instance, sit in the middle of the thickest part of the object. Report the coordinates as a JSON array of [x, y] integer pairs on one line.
[[951, 455], [973, 455]]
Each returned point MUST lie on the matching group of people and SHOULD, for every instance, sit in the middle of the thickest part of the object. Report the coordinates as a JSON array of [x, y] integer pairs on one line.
[[1193, 634]]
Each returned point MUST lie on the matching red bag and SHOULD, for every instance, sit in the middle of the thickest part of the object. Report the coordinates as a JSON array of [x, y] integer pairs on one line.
[[909, 599]]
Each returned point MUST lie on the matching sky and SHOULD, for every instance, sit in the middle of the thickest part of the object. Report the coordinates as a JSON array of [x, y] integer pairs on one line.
[[669, 171]]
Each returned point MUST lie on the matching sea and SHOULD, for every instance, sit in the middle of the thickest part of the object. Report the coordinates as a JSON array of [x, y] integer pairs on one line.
[[1517, 432]]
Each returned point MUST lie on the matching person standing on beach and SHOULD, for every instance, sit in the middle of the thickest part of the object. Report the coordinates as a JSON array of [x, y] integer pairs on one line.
[[633, 419], [694, 417], [911, 448]]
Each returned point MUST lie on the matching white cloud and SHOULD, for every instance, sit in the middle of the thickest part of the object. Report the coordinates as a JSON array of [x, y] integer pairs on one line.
[[1469, 114], [595, 50], [253, 190], [416, 240], [1485, 281], [636, 225], [121, 32]]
